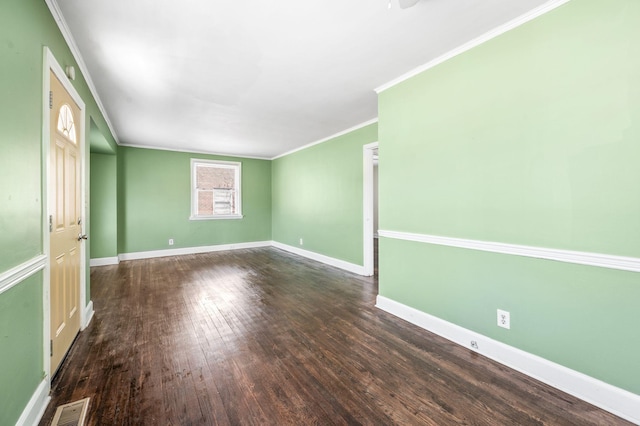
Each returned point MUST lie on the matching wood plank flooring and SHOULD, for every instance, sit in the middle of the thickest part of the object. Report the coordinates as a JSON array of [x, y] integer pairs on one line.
[[263, 337]]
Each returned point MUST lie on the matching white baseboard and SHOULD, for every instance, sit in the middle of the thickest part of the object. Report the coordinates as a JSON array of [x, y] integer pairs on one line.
[[351, 267], [191, 250], [88, 314], [34, 410], [615, 400], [347, 266], [104, 261]]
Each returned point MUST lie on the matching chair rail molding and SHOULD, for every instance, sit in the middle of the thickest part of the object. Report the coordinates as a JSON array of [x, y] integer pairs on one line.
[[16, 275], [568, 256]]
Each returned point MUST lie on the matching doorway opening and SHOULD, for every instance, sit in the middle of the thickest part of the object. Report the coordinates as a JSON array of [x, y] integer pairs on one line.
[[370, 208]]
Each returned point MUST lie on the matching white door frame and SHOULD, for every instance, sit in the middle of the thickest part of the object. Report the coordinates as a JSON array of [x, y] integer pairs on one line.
[[367, 207], [51, 64]]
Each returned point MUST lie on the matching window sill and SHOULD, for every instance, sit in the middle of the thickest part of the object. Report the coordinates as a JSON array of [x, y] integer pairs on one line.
[[217, 217]]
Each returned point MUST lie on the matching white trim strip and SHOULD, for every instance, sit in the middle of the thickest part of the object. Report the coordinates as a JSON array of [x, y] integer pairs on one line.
[[88, 314], [191, 250], [328, 138], [514, 23], [104, 261], [582, 258], [367, 206], [188, 151], [613, 399], [347, 266], [16, 275], [68, 37], [34, 410]]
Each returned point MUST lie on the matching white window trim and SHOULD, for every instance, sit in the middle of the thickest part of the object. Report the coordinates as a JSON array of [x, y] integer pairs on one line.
[[194, 199]]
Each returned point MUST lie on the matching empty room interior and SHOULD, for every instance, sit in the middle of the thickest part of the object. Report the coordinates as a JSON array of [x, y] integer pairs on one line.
[[336, 212]]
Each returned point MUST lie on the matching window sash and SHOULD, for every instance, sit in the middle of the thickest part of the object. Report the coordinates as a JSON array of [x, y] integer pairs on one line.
[[225, 203]]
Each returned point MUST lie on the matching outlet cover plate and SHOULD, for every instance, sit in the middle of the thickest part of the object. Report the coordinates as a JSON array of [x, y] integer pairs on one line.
[[504, 319]]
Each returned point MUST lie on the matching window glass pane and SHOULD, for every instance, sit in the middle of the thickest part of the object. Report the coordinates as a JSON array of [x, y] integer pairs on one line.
[[211, 177], [224, 203], [216, 188], [65, 123], [205, 203]]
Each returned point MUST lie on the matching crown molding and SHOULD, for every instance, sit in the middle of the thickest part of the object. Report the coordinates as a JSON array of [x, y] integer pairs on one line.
[[514, 23], [189, 151], [328, 138], [68, 37]]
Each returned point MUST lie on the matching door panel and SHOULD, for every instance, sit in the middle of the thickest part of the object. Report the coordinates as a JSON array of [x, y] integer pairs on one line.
[[65, 210]]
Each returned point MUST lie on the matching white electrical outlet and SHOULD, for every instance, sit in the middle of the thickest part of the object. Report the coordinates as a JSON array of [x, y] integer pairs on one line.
[[504, 319], [170, 241], [301, 243]]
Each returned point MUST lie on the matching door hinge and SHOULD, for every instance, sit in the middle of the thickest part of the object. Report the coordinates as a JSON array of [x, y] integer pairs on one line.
[[50, 99], [50, 347], [50, 223]]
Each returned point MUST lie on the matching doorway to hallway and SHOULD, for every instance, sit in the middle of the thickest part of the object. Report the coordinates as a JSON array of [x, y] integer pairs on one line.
[[370, 208]]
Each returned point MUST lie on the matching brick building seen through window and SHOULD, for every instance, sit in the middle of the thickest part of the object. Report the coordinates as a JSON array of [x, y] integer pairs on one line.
[[215, 189]]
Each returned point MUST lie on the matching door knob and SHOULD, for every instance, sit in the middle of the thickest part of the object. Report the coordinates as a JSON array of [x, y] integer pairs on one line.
[[82, 237]]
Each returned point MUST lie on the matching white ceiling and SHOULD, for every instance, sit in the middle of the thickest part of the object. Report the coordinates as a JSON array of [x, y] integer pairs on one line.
[[260, 78]]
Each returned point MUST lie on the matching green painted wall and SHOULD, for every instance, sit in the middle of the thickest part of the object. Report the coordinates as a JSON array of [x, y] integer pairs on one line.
[[21, 342], [98, 143], [317, 196], [25, 27], [104, 213], [531, 138], [154, 200]]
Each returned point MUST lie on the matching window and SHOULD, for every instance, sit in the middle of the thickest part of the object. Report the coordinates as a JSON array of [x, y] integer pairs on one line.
[[215, 189], [66, 126]]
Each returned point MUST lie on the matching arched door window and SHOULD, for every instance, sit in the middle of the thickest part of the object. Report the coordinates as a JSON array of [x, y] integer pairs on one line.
[[66, 126]]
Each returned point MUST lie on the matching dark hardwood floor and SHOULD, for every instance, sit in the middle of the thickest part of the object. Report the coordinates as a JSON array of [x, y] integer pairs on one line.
[[264, 337]]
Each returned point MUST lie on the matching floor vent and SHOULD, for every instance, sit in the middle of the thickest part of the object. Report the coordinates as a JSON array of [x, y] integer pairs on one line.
[[72, 414]]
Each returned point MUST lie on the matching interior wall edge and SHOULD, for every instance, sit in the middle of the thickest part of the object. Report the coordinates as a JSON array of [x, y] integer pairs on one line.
[[568, 256], [603, 395]]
